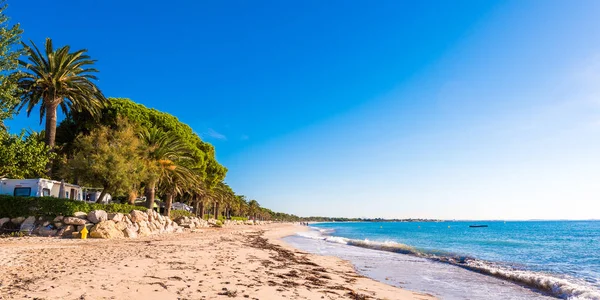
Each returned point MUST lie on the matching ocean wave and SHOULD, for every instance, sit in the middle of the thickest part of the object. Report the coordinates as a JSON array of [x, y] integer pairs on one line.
[[571, 288]]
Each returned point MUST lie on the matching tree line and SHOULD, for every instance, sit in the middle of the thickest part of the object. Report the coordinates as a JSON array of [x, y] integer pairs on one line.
[[125, 148]]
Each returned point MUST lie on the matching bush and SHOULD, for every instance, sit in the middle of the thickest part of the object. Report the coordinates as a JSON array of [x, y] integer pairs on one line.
[[13, 207], [180, 213], [219, 223], [239, 218]]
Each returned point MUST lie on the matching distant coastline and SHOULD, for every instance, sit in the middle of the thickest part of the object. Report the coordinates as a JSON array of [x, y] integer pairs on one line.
[[330, 219]]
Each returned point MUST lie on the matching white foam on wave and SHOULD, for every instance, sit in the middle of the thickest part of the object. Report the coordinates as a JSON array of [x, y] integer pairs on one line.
[[564, 288], [571, 288]]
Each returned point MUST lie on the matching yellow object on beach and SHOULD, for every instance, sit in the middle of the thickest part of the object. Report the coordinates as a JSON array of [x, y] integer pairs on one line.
[[84, 233]]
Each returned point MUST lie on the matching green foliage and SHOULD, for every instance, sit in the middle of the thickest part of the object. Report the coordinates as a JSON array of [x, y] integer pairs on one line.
[[219, 223], [180, 213], [204, 163], [107, 157], [114, 207], [10, 37], [23, 157], [12, 207], [239, 218]]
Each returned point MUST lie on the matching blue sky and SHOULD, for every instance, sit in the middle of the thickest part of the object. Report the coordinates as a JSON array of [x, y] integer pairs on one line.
[[462, 110]]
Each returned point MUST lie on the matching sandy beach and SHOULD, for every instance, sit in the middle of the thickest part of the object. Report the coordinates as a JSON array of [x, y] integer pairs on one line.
[[237, 262]]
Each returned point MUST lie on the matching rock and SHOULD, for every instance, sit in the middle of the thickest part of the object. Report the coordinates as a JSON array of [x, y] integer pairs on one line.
[[66, 231], [137, 216], [80, 215], [28, 224], [121, 225], [144, 231], [97, 216], [45, 223], [131, 231], [4, 220], [106, 230], [117, 217], [17, 220], [58, 224], [46, 231], [74, 221], [58, 219]]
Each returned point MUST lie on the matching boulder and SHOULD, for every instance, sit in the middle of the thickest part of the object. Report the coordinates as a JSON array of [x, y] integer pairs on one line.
[[58, 224], [28, 224], [97, 216], [17, 220], [4, 220], [47, 231], [131, 231], [121, 225], [106, 230], [74, 221], [58, 219], [80, 215], [144, 231], [137, 216], [117, 217], [66, 231]]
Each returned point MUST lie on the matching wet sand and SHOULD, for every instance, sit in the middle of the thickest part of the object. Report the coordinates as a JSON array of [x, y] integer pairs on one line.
[[246, 262]]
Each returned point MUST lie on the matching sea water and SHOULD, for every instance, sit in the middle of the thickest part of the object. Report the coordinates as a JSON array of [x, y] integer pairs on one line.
[[506, 260]]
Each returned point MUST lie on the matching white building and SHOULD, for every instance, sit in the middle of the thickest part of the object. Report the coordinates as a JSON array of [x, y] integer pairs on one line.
[[40, 187]]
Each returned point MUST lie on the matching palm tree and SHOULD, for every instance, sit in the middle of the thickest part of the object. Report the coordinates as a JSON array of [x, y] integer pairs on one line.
[[58, 78], [253, 209], [174, 183], [164, 155]]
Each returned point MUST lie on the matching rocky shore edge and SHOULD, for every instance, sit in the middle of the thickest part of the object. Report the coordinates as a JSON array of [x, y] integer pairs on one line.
[[101, 224]]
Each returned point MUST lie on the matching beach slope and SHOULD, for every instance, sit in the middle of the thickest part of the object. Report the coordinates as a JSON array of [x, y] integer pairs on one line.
[[238, 262]]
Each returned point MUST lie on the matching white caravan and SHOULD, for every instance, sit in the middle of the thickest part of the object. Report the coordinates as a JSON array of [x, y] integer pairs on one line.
[[39, 187]]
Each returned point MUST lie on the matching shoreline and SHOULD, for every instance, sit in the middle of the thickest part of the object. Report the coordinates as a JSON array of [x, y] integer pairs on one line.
[[247, 262]]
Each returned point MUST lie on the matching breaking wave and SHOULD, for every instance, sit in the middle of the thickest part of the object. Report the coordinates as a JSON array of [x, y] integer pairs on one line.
[[565, 288]]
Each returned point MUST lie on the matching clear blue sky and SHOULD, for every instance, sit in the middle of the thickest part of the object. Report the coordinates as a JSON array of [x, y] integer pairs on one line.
[[440, 109]]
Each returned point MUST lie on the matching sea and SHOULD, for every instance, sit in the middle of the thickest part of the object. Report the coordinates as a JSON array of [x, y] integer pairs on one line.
[[451, 260]]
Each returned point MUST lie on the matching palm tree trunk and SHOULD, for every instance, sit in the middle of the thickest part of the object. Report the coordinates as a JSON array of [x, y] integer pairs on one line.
[[214, 209], [149, 191], [51, 123], [202, 208], [196, 205], [131, 197], [168, 203], [102, 194]]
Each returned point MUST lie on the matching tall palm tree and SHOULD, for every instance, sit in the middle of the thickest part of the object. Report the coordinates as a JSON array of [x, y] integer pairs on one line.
[[174, 183], [58, 78], [164, 155], [253, 209]]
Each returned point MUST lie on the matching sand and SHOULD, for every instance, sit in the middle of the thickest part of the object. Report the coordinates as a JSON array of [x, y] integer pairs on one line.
[[245, 262]]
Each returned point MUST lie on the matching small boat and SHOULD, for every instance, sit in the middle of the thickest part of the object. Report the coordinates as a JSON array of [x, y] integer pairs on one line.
[[477, 226]]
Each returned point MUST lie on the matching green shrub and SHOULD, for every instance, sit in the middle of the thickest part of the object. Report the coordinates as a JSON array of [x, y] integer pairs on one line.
[[180, 213], [12, 207], [219, 223], [239, 218]]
